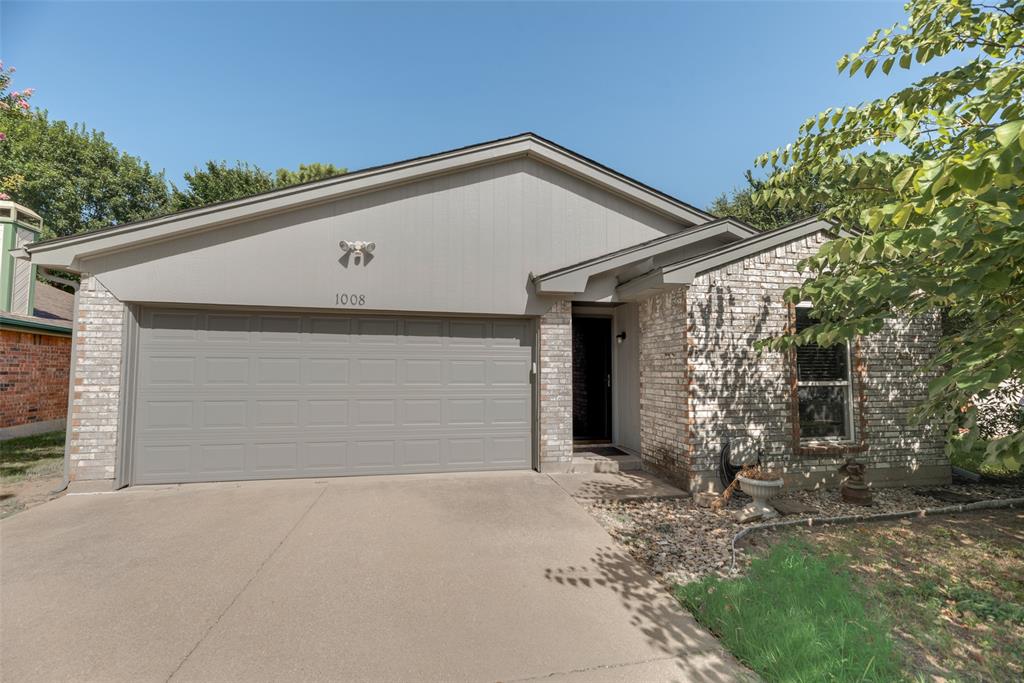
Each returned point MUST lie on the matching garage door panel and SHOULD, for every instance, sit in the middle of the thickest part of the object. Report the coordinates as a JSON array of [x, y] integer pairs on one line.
[[327, 370], [221, 460], [248, 395], [225, 414]]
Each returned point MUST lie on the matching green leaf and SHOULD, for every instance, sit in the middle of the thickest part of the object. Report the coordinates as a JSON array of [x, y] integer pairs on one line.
[[996, 279], [970, 178], [1008, 132], [903, 178]]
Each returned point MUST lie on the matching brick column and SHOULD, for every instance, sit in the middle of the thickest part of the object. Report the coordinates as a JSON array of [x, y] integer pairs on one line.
[[664, 400], [92, 446], [555, 394]]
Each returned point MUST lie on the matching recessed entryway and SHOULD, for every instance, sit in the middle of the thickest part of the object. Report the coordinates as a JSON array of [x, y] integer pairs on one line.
[[591, 378]]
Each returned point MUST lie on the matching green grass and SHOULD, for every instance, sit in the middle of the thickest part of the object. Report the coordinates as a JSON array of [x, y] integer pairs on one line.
[[31, 456], [795, 617], [973, 460]]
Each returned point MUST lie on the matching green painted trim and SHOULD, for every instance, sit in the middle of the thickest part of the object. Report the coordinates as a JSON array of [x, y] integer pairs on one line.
[[10, 232], [8, 323]]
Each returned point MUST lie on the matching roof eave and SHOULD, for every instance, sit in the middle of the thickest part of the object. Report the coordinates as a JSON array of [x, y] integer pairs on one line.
[[574, 279], [683, 273]]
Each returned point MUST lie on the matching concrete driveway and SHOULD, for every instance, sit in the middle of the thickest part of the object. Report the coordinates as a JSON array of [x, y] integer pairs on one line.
[[483, 577]]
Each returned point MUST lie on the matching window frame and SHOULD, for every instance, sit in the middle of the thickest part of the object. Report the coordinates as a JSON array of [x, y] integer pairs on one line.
[[854, 440]]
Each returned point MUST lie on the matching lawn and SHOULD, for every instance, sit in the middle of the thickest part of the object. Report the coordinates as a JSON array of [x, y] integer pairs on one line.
[[922, 600], [795, 616], [31, 468]]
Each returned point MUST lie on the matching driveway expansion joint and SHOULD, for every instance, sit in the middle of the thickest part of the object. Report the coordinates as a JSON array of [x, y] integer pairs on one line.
[[246, 585], [598, 667]]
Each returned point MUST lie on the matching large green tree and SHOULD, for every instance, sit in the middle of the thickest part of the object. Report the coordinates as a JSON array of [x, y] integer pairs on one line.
[[932, 175], [306, 173], [73, 177], [740, 204], [217, 181]]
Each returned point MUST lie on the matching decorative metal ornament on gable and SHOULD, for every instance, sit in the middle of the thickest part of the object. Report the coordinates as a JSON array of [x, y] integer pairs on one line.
[[360, 252]]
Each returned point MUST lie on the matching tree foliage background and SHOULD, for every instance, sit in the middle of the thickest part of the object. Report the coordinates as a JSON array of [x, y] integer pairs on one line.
[[78, 181], [73, 177], [932, 176], [740, 204], [217, 181]]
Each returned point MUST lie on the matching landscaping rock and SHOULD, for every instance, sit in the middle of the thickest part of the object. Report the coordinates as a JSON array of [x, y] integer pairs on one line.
[[951, 496], [705, 499], [680, 541], [748, 514], [788, 506]]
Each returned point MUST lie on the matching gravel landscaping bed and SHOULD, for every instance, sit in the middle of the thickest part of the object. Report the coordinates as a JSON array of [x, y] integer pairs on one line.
[[682, 542]]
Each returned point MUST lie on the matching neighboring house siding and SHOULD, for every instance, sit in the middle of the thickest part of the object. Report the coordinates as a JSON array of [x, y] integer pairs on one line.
[[745, 396], [555, 395], [460, 243], [21, 286], [33, 377], [664, 413], [93, 428]]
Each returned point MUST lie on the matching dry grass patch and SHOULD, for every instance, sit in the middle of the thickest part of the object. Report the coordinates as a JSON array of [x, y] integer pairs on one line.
[[31, 468], [954, 587]]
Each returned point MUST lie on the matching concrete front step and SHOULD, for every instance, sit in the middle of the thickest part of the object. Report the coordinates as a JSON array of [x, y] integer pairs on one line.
[[590, 463]]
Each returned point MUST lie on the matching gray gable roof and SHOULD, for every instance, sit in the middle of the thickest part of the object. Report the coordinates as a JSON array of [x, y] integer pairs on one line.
[[65, 251], [574, 278], [683, 272]]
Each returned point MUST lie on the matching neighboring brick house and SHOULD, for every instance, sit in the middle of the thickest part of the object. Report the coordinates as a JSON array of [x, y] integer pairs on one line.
[[35, 335], [480, 309]]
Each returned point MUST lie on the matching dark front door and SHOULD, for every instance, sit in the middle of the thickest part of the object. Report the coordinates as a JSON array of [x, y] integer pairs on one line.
[[591, 378]]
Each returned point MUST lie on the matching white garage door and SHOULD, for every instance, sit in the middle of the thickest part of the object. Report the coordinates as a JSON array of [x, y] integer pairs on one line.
[[226, 395]]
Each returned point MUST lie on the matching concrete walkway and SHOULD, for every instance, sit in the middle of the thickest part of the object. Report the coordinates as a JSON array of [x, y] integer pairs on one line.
[[495, 577]]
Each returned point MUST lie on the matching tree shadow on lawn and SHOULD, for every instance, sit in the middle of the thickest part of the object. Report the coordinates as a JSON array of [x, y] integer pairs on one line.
[[655, 613], [952, 584]]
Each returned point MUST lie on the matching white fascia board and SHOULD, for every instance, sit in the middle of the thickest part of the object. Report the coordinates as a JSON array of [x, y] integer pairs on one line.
[[68, 252], [573, 279]]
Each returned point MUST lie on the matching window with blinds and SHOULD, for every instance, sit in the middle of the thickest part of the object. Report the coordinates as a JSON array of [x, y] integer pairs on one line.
[[824, 390]]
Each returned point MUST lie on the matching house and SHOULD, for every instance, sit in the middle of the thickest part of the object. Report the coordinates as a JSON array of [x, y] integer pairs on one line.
[[35, 334], [478, 309]]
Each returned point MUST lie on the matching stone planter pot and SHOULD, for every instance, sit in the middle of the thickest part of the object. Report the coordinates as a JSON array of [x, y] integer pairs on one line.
[[761, 492]]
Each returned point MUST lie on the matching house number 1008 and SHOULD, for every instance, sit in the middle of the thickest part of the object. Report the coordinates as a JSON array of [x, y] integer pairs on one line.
[[349, 299]]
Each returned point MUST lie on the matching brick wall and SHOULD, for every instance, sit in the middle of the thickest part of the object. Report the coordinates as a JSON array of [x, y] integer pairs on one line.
[[664, 411], [33, 377], [555, 395], [739, 394], [94, 409]]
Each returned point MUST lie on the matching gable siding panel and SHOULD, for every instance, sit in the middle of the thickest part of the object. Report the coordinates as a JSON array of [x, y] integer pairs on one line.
[[462, 243]]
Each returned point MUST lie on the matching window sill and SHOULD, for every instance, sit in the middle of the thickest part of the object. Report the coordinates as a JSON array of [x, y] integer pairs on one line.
[[830, 447]]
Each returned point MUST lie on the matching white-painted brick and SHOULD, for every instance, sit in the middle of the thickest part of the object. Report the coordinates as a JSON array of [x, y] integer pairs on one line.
[[94, 404]]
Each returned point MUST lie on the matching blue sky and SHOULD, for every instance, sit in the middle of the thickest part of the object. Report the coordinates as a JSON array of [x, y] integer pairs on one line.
[[681, 96]]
